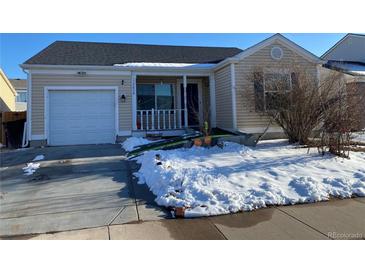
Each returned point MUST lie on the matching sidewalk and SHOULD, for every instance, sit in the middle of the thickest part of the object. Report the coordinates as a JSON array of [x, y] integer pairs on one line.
[[336, 219]]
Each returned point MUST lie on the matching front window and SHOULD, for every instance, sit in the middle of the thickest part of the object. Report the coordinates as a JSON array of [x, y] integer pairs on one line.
[[276, 86], [21, 96], [277, 82], [155, 96]]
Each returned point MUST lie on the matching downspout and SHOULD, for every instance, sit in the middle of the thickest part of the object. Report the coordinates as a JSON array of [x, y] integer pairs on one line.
[[233, 94], [26, 130]]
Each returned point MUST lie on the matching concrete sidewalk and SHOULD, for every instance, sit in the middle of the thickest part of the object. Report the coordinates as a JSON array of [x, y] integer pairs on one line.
[[336, 219]]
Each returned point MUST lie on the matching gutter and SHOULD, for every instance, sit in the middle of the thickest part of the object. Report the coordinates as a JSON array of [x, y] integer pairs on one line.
[[27, 125]]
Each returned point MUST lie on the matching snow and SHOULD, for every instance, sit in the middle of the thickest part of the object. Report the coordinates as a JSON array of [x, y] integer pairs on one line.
[[359, 137], [355, 68], [30, 168], [38, 158], [133, 142], [165, 65], [213, 181]]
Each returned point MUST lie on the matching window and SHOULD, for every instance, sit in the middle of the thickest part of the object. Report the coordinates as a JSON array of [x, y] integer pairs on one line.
[[277, 82], [276, 86], [21, 96], [276, 53], [155, 96], [271, 89]]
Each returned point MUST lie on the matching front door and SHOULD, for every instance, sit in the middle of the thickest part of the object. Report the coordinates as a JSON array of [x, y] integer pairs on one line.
[[192, 98]]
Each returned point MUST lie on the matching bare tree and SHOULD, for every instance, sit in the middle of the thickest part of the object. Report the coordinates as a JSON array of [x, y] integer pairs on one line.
[[304, 106]]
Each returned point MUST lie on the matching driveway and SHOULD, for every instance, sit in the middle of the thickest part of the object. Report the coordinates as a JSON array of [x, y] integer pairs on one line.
[[76, 187]]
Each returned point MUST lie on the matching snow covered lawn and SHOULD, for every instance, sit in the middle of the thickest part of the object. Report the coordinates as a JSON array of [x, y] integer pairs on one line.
[[359, 137], [132, 142], [213, 181]]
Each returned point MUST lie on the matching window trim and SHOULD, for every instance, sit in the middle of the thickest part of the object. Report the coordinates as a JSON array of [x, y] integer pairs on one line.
[[154, 84]]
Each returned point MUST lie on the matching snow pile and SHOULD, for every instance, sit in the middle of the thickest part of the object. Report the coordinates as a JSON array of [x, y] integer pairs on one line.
[[359, 137], [30, 168], [213, 181], [38, 158], [133, 142]]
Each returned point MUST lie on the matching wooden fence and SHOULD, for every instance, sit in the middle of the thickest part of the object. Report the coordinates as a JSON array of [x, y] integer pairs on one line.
[[9, 116]]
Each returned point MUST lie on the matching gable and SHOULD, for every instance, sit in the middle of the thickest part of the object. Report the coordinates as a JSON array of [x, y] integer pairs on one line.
[[263, 57], [281, 40], [351, 48]]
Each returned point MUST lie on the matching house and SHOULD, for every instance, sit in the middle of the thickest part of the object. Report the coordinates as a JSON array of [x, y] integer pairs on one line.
[[348, 56], [20, 85], [7, 94], [87, 93]]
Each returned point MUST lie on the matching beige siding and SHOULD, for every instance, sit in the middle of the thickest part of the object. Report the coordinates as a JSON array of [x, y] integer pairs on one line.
[[223, 93], [41, 81], [7, 94], [247, 118]]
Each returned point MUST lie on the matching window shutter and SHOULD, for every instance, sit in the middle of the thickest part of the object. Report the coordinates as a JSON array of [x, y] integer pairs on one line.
[[259, 91], [294, 80]]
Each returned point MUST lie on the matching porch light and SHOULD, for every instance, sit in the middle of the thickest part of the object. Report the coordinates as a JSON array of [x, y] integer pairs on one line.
[[123, 98]]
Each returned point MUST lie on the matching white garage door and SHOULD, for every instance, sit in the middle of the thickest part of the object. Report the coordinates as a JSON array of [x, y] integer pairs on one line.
[[81, 117]]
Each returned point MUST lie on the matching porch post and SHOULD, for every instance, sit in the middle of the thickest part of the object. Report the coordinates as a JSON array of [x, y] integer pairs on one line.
[[134, 101], [212, 101], [185, 102]]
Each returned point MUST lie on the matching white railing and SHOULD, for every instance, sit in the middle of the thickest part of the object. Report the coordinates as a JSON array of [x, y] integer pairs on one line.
[[160, 119]]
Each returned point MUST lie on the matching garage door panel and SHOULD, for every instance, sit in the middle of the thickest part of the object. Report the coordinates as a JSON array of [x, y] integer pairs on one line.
[[81, 117]]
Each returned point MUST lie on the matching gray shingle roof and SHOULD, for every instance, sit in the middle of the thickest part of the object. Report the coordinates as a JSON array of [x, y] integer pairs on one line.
[[107, 54]]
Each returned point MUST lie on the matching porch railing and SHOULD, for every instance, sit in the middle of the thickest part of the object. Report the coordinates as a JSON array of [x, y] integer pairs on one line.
[[160, 119]]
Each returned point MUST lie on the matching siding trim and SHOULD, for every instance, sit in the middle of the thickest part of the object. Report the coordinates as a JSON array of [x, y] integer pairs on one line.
[[47, 89], [234, 101], [212, 98], [134, 101], [29, 106]]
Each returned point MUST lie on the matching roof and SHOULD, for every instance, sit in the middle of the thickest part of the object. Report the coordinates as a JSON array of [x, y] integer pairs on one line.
[[352, 68], [7, 82], [280, 38], [349, 35], [109, 54], [19, 83]]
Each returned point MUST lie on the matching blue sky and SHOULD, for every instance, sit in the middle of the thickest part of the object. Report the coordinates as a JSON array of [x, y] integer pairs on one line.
[[17, 48]]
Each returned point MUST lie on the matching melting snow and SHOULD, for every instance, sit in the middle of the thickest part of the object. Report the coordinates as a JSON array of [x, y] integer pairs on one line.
[[30, 168], [38, 158], [132, 142], [237, 178]]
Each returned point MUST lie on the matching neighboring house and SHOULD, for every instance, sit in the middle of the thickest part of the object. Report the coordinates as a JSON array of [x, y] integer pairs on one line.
[[7, 94], [87, 93], [348, 56], [20, 86]]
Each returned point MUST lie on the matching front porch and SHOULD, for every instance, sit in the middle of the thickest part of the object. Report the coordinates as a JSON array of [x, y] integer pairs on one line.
[[169, 105]]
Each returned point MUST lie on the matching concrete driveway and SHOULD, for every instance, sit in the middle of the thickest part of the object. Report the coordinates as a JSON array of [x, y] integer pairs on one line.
[[76, 187]]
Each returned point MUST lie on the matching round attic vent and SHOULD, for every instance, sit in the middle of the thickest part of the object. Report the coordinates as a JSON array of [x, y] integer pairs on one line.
[[276, 53]]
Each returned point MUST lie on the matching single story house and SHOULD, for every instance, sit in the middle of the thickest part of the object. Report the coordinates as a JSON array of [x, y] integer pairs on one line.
[[20, 85], [348, 57], [88, 93]]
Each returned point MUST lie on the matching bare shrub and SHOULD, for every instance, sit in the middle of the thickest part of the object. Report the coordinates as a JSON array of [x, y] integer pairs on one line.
[[306, 107]]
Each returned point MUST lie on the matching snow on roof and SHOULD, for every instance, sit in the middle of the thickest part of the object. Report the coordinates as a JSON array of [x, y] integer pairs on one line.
[[348, 67], [165, 65]]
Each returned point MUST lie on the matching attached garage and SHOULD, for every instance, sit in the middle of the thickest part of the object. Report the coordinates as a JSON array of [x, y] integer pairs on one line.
[[81, 115]]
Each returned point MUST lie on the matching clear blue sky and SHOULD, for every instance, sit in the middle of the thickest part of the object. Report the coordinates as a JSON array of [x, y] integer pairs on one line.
[[17, 48]]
